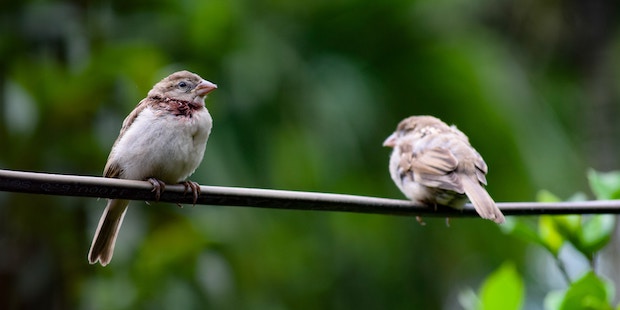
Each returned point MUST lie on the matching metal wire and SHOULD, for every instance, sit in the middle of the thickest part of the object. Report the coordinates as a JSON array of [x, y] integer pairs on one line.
[[87, 186]]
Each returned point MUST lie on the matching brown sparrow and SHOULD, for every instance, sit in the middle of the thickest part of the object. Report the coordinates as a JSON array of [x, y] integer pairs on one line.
[[433, 163], [163, 141]]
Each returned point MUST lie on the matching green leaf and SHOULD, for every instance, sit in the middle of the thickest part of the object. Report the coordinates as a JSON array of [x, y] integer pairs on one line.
[[587, 236], [596, 233], [549, 235], [589, 292], [519, 228], [605, 185], [569, 226], [503, 289]]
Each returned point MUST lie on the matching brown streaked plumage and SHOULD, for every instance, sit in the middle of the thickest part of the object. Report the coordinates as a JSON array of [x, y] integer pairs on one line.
[[433, 163], [163, 141]]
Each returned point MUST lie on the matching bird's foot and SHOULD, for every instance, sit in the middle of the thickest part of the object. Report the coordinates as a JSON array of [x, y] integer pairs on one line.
[[158, 187], [420, 220], [194, 188]]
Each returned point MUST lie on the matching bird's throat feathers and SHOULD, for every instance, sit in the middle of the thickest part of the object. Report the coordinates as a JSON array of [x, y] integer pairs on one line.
[[176, 106]]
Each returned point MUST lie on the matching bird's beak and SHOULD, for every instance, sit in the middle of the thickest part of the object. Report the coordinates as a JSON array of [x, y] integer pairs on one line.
[[390, 141], [204, 88]]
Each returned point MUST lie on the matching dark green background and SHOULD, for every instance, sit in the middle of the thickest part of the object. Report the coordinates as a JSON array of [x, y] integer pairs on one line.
[[307, 92]]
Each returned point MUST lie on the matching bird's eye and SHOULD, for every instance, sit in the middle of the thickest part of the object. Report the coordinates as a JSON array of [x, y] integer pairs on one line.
[[182, 84]]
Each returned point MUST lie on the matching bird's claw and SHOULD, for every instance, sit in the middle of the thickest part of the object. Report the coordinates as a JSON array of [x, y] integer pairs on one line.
[[158, 187], [194, 188]]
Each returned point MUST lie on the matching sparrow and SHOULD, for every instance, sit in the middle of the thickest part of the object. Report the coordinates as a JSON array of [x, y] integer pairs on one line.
[[162, 141], [434, 164]]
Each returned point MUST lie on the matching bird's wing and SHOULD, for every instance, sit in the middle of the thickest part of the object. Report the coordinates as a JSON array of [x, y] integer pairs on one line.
[[435, 168], [132, 117], [481, 169], [112, 169]]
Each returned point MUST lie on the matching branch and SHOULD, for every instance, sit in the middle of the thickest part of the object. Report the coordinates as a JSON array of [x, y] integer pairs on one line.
[[85, 186]]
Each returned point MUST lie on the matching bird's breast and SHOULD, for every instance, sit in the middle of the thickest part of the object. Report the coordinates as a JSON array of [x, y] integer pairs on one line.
[[162, 145]]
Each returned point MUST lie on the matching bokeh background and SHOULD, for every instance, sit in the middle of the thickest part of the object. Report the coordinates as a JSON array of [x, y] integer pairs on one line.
[[308, 90]]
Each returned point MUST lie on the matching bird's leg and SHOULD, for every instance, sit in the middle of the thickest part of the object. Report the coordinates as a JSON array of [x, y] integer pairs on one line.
[[194, 188], [420, 220], [447, 222], [158, 187]]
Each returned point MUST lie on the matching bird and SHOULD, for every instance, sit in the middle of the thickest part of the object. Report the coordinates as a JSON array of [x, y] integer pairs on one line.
[[162, 140], [434, 164]]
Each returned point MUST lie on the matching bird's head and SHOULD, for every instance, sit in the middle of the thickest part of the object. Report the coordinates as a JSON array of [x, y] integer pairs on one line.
[[183, 86], [419, 125]]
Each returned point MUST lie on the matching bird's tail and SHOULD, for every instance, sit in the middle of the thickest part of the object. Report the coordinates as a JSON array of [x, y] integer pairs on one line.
[[482, 201], [102, 247]]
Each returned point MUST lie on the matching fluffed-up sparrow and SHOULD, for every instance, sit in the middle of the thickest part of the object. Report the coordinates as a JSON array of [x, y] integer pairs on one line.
[[163, 141], [434, 164]]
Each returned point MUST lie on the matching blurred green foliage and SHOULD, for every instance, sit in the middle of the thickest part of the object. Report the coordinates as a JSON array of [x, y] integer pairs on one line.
[[307, 93], [504, 288], [588, 292]]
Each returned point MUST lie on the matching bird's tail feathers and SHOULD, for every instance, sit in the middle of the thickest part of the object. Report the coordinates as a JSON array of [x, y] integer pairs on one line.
[[104, 240], [482, 201]]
